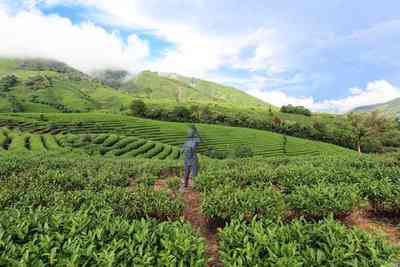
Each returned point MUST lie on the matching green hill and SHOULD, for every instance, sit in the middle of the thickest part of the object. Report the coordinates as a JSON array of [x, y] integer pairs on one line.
[[391, 108], [41, 85], [173, 89], [38, 85]]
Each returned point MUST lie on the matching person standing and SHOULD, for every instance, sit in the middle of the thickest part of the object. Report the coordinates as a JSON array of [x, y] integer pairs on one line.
[[189, 150]]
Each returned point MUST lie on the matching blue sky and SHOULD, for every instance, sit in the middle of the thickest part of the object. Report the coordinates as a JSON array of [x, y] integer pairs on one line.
[[327, 55]]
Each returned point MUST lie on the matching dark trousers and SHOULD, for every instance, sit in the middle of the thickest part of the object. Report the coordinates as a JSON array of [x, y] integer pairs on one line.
[[191, 167]]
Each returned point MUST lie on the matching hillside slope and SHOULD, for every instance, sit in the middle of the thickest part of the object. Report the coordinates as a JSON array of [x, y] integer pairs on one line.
[[41, 85], [220, 138], [175, 89], [391, 108], [38, 85]]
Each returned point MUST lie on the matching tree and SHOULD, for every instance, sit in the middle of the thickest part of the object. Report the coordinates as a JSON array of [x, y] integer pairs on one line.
[[181, 113], [206, 114], [38, 82], [138, 107], [296, 110], [195, 112], [276, 121], [7, 82], [358, 127], [365, 126]]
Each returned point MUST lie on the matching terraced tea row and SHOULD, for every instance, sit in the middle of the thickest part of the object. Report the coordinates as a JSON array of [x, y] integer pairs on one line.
[[14, 142], [120, 146], [220, 138]]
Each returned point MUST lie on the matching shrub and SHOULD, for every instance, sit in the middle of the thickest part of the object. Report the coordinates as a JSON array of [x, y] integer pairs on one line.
[[228, 202], [51, 237], [181, 113], [38, 82], [323, 199], [215, 154], [174, 183], [7, 82], [296, 110], [299, 243], [384, 195], [129, 147], [154, 151], [243, 151]]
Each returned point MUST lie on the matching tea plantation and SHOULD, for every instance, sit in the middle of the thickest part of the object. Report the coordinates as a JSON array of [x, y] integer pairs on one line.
[[102, 190], [219, 138]]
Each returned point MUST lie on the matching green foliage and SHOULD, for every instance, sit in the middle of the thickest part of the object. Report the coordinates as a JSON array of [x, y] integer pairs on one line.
[[141, 202], [147, 181], [38, 82], [176, 89], [7, 82], [181, 113], [228, 202], [219, 140], [215, 154], [138, 107], [79, 211], [296, 110], [111, 140], [60, 208], [299, 243], [367, 130], [94, 238], [323, 199], [384, 195], [174, 183], [45, 64], [243, 151]]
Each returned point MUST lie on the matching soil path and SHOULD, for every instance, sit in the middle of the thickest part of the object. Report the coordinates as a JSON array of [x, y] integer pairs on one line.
[[193, 215], [365, 221]]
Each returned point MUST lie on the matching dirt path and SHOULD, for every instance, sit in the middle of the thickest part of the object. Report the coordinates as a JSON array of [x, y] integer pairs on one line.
[[361, 219], [193, 215]]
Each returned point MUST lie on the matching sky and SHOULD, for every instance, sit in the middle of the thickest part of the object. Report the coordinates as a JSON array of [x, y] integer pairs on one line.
[[329, 56]]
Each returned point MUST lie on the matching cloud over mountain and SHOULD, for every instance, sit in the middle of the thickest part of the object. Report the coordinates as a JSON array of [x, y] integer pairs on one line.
[[84, 46]]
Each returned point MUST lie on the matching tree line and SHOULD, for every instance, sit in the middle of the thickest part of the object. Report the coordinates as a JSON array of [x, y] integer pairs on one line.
[[365, 132]]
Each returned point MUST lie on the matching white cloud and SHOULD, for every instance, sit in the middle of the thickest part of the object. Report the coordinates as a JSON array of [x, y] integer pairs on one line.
[[197, 50], [84, 46], [279, 98], [208, 35], [375, 92]]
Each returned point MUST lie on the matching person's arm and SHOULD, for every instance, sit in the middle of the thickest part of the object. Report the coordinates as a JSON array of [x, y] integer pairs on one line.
[[197, 135], [183, 147]]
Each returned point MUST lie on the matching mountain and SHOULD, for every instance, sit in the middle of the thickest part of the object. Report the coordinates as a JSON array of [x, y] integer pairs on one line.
[[176, 89], [41, 85], [112, 78], [391, 108]]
